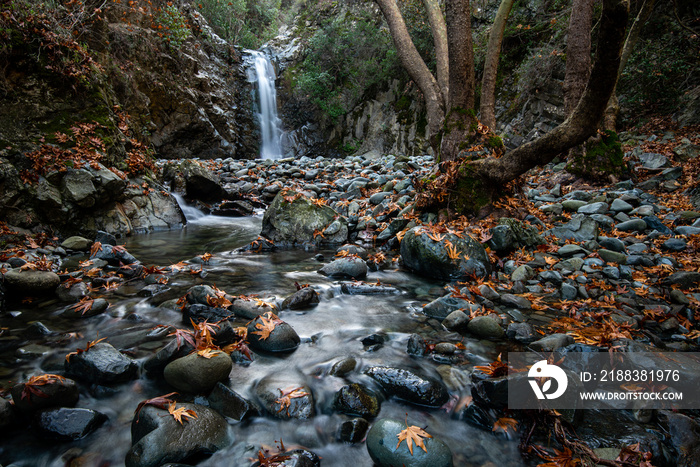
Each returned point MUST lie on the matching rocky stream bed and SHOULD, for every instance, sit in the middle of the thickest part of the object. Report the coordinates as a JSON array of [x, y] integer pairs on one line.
[[317, 332]]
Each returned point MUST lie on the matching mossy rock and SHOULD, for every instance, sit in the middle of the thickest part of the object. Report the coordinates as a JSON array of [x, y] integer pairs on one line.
[[601, 158]]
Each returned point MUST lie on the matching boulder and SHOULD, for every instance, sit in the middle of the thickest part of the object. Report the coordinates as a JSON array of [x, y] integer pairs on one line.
[[157, 438], [306, 297], [348, 267], [198, 374], [410, 386], [385, 450], [286, 395], [67, 424], [37, 394], [101, 364], [279, 336], [293, 219], [356, 400], [31, 282], [429, 257]]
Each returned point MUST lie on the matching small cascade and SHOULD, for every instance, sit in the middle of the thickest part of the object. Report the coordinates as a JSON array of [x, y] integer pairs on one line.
[[191, 213], [263, 73]]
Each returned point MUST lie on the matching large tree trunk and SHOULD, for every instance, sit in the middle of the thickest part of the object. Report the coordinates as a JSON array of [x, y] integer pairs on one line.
[[578, 53], [438, 29], [583, 121], [493, 51], [415, 67], [613, 109], [458, 127]]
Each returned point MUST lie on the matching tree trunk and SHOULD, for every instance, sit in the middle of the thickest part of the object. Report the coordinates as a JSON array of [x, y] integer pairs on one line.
[[613, 109], [578, 53], [415, 67], [458, 127], [583, 121], [493, 51], [438, 29]]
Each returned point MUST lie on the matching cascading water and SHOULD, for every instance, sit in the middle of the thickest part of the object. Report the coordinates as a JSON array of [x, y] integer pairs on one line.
[[271, 146]]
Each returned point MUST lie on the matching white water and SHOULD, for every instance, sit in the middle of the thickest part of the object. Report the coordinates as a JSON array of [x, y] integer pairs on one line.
[[270, 123], [191, 213]]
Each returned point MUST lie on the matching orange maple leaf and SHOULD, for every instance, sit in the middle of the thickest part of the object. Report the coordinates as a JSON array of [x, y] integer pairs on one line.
[[505, 424], [83, 306], [267, 325], [285, 398], [207, 353], [181, 414], [413, 434]]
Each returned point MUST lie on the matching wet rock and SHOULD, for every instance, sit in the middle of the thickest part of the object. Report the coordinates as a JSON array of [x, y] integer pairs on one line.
[[655, 223], [416, 345], [296, 222], [521, 332], [386, 452], [674, 244], [443, 306], [157, 438], [431, 258], [304, 298], [684, 279], [31, 282], [522, 273], [200, 183], [99, 306], [485, 327], [348, 267], [612, 244], [199, 313], [282, 338], [552, 342], [229, 403], [286, 395], [296, 458], [171, 351], [57, 392], [491, 392], [355, 399], [594, 208], [7, 414], [352, 431], [685, 437], [197, 374], [72, 293], [410, 386], [515, 301], [374, 341], [101, 364], [114, 255], [343, 367], [250, 308], [67, 424]]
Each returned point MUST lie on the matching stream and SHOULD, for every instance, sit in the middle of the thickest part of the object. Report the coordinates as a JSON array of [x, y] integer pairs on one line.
[[331, 331]]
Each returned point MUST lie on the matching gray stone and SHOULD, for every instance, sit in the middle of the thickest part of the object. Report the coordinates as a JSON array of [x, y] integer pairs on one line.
[[515, 301], [67, 424], [573, 205], [674, 244], [282, 338], [410, 386], [522, 273], [685, 279], [612, 256], [78, 188], [571, 264], [552, 342], [31, 282], [632, 225], [443, 306], [76, 243], [613, 244], [456, 321], [571, 250], [594, 208], [521, 332], [687, 230], [197, 374], [580, 228], [272, 387], [229, 403], [511, 233], [653, 161], [101, 364], [485, 327], [384, 450], [158, 439], [619, 205], [348, 267], [356, 400], [568, 292]]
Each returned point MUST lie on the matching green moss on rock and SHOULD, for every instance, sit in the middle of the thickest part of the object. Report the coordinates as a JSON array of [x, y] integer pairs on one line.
[[602, 157]]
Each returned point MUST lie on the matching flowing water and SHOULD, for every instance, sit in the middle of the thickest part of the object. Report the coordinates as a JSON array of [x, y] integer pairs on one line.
[[270, 124], [331, 331]]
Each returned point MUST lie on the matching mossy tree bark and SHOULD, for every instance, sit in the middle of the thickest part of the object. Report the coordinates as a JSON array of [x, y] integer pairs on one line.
[[492, 173], [493, 51]]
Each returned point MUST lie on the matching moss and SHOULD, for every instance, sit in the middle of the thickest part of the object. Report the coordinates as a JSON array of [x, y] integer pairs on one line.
[[494, 142], [602, 157], [472, 194]]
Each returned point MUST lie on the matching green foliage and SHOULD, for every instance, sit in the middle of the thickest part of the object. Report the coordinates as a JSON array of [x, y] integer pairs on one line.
[[346, 57], [173, 25], [601, 158], [248, 23]]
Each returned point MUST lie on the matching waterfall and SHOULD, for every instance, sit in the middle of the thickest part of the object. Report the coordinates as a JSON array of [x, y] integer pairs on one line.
[[191, 213], [271, 147]]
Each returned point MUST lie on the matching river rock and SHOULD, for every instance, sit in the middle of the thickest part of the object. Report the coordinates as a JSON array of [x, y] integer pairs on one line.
[[200, 183], [612, 256], [229, 403], [304, 298], [76, 243], [174, 349], [511, 234], [249, 308], [356, 400], [348, 267], [67, 424], [77, 187], [522, 273], [71, 293], [552, 342], [57, 392], [295, 458], [410, 386], [197, 374], [456, 321], [443, 306], [99, 306], [295, 222], [283, 338], [31, 282], [632, 225], [352, 431], [114, 255], [431, 258], [363, 288], [485, 327], [385, 451], [157, 438], [684, 279], [273, 388], [580, 228], [199, 313], [101, 364], [7, 414]]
